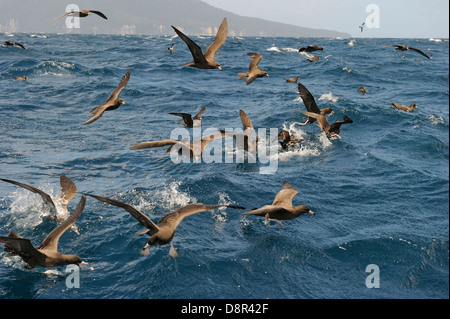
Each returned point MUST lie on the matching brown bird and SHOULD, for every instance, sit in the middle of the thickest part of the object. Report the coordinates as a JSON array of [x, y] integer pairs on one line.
[[21, 78], [281, 208], [405, 48], [253, 70], [193, 150], [11, 43], [68, 192], [112, 103], [243, 140], [292, 80], [163, 232], [287, 139], [330, 130], [206, 61], [47, 254], [82, 14], [311, 105], [314, 59], [362, 89], [311, 48], [409, 108], [188, 121]]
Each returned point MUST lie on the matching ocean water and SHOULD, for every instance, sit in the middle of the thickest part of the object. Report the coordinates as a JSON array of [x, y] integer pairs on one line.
[[380, 194]]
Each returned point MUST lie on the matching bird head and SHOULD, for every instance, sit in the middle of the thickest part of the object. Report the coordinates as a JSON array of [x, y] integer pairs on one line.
[[120, 101], [303, 209]]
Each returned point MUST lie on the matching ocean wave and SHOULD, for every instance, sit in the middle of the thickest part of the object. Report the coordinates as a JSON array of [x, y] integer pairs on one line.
[[274, 49], [437, 120], [352, 43], [328, 97]]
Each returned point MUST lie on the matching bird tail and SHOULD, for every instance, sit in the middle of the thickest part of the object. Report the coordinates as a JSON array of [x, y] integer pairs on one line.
[[347, 119], [242, 75]]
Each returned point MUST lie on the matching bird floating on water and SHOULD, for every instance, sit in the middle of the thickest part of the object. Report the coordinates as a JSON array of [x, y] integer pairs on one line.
[[292, 80], [47, 254], [281, 208], [287, 139], [206, 60], [21, 78], [112, 103], [409, 108], [163, 232]]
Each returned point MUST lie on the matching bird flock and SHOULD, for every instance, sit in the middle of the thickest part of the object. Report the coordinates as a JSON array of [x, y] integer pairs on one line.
[[162, 232]]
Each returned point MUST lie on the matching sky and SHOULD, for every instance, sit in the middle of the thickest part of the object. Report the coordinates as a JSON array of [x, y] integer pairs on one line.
[[397, 18]]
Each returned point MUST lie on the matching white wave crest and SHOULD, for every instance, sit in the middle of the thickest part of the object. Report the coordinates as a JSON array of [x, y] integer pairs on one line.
[[328, 97]]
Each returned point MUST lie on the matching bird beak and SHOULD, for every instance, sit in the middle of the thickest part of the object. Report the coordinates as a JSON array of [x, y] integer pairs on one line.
[[311, 212], [220, 68], [123, 102]]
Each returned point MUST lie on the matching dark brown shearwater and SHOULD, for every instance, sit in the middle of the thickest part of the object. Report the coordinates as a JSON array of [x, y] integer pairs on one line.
[[21, 78], [281, 208], [310, 104], [68, 192], [287, 139], [314, 59], [163, 232], [188, 121], [206, 61], [11, 43], [112, 102], [330, 130], [409, 108], [292, 80], [83, 13], [406, 47], [253, 69], [311, 48], [47, 254], [362, 89], [195, 149]]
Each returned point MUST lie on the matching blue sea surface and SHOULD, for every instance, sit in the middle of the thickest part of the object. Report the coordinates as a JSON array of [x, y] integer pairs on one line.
[[380, 194]]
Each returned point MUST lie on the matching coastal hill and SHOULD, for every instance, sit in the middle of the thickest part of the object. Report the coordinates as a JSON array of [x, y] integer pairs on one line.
[[151, 17]]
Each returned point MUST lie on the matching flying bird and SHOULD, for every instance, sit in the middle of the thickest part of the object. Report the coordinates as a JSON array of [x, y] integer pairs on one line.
[[47, 254], [405, 48], [311, 48], [163, 232], [188, 121], [281, 208], [330, 130], [253, 70], [68, 192], [171, 48], [193, 150], [311, 105], [362, 26], [409, 108], [112, 103], [11, 43], [206, 60], [82, 14]]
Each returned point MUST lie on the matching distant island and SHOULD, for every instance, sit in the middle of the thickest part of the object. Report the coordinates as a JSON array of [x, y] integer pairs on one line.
[[149, 17]]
